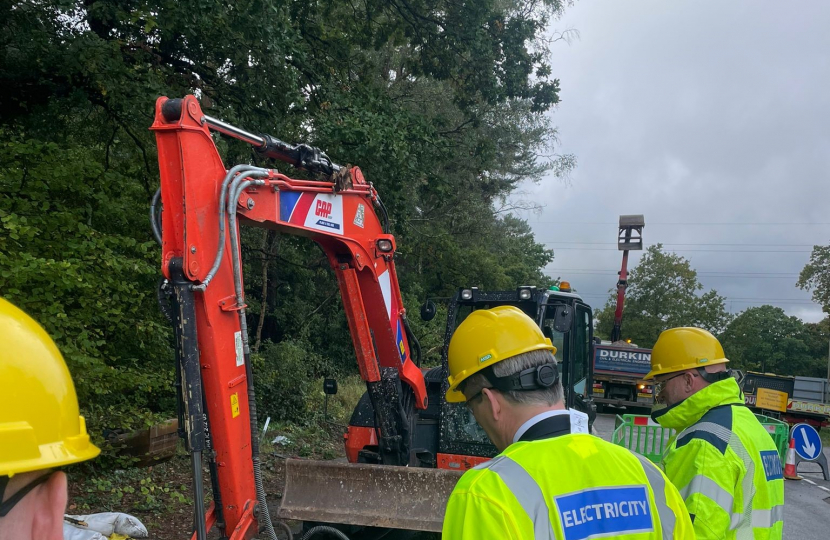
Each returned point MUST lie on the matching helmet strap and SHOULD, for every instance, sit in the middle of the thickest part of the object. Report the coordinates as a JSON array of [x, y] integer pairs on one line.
[[535, 378], [6, 506]]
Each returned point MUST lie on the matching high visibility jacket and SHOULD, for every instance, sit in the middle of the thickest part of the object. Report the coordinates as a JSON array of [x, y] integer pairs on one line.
[[569, 487], [725, 465]]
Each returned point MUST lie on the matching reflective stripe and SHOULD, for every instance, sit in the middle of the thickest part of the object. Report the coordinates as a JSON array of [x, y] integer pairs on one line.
[[764, 519], [717, 435], [736, 521], [658, 486], [526, 491], [715, 429], [709, 488]]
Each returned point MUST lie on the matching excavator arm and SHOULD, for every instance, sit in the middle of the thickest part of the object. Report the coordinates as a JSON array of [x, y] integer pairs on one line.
[[203, 205]]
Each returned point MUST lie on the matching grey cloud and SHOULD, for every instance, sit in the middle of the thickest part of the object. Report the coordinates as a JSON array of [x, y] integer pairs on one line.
[[694, 112]]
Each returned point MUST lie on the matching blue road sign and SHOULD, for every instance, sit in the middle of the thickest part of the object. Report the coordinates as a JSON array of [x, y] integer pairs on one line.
[[807, 442]]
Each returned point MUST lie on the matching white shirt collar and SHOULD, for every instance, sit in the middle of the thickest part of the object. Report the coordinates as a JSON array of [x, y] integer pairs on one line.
[[535, 420]]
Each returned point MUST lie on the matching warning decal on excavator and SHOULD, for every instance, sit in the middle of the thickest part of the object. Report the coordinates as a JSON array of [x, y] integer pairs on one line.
[[401, 348], [235, 405], [240, 354], [360, 215]]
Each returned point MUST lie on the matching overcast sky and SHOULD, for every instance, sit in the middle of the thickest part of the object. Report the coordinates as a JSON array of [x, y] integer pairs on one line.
[[710, 118]]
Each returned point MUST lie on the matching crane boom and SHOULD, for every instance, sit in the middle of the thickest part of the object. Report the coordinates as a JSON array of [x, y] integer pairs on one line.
[[629, 237]]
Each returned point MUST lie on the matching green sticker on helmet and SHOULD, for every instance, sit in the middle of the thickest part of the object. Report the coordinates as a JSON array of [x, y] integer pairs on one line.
[[702, 360], [485, 358]]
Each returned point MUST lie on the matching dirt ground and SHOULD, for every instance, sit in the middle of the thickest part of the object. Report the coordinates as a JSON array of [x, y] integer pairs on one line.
[[161, 495]]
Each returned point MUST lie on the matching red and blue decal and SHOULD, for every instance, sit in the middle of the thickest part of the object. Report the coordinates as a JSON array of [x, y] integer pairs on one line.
[[401, 346], [290, 209], [320, 211]]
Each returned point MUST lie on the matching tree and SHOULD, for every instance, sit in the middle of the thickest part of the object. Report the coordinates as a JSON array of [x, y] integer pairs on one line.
[[663, 292], [441, 103], [818, 341], [766, 339], [815, 276]]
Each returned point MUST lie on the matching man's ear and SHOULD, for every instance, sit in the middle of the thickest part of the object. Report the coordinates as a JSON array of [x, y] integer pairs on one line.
[[493, 403], [47, 522], [689, 380]]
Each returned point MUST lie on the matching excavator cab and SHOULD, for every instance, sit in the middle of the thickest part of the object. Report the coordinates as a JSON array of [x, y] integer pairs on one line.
[[563, 317], [445, 434]]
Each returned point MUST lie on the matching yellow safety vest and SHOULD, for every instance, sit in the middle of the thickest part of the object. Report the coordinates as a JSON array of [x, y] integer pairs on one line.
[[571, 487], [725, 465]]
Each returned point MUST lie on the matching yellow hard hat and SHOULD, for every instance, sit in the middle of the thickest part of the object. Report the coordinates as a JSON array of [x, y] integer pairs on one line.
[[486, 337], [679, 349], [40, 426]]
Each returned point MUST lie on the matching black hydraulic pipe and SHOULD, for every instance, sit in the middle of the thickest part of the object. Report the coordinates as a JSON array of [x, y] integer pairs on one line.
[[302, 156], [214, 475], [198, 496], [187, 346]]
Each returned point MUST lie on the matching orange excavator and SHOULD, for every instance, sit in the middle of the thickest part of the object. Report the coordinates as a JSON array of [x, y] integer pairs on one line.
[[196, 216], [408, 446]]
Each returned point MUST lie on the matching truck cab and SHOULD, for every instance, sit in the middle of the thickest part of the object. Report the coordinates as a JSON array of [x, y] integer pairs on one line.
[[618, 370]]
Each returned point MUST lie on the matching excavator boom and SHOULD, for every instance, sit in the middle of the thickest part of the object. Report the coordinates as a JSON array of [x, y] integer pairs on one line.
[[203, 204]]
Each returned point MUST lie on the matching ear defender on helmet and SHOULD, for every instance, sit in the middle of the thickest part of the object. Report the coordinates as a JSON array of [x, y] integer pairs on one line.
[[535, 378]]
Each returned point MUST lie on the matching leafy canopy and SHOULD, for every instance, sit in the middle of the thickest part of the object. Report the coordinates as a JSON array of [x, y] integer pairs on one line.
[[815, 276], [766, 339], [441, 103], [663, 292]]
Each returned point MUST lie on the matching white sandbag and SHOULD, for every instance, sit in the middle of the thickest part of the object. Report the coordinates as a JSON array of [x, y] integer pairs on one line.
[[108, 523]]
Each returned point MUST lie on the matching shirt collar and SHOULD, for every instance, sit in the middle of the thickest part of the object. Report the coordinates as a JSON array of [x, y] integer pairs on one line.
[[535, 420]]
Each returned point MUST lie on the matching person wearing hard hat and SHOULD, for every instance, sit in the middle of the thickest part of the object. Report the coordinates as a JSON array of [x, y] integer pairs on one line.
[[547, 482], [41, 429], [722, 460]]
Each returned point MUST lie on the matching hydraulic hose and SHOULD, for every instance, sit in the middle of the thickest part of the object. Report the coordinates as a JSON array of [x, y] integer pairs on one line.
[[264, 516], [153, 218], [287, 529], [244, 172], [384, 214], [324, 529]]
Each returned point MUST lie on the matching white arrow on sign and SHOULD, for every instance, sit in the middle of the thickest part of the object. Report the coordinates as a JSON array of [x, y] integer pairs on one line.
[[808, 446]]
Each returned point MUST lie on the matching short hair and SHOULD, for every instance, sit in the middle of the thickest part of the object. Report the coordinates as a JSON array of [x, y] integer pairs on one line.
[[546, 396]]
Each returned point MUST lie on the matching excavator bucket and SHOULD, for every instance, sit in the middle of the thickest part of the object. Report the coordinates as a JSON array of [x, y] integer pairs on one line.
[[366, 495]]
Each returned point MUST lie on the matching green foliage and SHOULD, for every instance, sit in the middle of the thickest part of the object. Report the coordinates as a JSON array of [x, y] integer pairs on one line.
[[663, 292], [283, 379], [815, 276], [766, 339], [138, 489], [430, 334], [94, 291], [441, 103]]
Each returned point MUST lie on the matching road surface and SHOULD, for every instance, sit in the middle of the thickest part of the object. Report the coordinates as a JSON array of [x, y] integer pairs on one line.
[[806, 502]]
